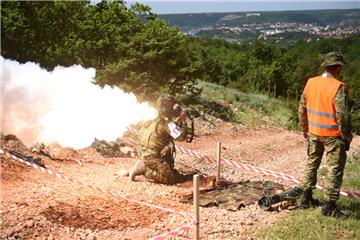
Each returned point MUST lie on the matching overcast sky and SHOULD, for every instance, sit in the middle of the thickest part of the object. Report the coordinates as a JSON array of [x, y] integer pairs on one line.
[[198, 6]]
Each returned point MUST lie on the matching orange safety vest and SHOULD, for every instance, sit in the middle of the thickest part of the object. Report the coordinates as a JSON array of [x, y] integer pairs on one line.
[[320, 93]]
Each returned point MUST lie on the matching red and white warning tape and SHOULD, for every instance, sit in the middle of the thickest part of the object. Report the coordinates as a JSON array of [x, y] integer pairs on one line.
[[61, 176], [133, 131], [251, 168], [174, 232]]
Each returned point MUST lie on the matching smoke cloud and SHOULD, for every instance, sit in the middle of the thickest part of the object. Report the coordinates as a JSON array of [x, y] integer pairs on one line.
[[63, 106]]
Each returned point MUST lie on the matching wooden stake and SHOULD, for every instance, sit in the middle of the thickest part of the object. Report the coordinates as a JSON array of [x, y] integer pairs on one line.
[[218, 162], [196, 206]]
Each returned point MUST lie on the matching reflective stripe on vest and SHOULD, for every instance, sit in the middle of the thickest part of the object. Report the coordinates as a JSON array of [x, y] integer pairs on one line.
[[325, 126], [320, 93], [321, 114]]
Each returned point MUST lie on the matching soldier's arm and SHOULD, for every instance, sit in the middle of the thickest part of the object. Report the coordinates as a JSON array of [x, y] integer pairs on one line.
[[178, 131], [302, 114], [343, 116]]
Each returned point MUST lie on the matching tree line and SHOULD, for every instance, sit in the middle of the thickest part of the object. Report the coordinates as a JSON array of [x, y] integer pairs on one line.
[[134, 49], [279, 71], [128, 46]]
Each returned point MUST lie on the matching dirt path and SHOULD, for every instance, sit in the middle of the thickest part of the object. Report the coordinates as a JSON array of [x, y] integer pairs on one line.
[[35, 206]]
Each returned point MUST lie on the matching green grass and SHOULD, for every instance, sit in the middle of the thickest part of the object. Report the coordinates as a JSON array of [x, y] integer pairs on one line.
[[255, 110], [351, 175], [310, 224], [352, 170], [249, 109]]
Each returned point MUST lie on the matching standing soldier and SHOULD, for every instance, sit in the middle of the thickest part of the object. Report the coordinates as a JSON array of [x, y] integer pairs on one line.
[[326, 124], [157, 142]]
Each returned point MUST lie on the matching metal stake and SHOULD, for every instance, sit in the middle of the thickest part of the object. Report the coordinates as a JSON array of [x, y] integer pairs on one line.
[[196, 206], [218, 162]]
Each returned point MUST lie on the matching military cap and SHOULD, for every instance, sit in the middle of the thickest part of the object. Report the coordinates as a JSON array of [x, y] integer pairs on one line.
[[165, 105], [333, 58], [165, 101]]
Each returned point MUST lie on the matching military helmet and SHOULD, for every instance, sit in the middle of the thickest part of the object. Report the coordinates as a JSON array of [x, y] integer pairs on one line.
[[165, 104], [333, 58]]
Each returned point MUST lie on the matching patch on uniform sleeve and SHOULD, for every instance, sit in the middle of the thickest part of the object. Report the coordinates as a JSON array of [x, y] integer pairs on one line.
[[175, 131]]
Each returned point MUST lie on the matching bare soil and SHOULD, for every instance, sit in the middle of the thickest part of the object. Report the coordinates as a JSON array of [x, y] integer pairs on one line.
[[37, 206]]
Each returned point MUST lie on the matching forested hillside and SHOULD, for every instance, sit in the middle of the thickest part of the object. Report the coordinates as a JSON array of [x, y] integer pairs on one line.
[[137, 51], [286, 27], [323, 17], [279, 72]]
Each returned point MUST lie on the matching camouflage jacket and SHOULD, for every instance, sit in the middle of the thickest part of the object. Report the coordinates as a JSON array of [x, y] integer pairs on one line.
[[156, 135], [343, 116]]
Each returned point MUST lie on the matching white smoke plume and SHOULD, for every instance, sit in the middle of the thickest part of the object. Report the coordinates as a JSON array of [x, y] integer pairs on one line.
[[63, 106]]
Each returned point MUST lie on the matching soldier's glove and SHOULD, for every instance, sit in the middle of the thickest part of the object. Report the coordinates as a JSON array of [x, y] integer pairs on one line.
[[183, 115]]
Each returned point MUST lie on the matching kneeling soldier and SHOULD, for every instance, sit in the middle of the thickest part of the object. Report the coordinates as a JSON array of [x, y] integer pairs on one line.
[[157, 137]]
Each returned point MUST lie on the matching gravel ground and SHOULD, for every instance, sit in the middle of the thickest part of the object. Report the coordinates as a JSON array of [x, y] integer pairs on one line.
[[36, 206]]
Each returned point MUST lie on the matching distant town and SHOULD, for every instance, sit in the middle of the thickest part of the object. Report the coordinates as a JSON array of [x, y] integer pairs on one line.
[[240, 27], [270, 29]]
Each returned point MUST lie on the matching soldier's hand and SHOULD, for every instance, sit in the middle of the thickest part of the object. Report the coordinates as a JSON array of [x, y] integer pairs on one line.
[[183, 115]]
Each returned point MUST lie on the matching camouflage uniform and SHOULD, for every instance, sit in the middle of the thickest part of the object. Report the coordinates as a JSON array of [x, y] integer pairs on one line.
[[333, 146], [158, 150]]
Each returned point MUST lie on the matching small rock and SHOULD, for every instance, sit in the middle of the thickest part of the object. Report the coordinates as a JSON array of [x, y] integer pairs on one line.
[[91, 236], [14, 237], [50, 237], [29, 224], [122, 173]]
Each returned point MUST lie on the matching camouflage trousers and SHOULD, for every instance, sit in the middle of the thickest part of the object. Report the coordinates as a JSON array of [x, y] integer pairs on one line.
[[159, 169], [335, 150]]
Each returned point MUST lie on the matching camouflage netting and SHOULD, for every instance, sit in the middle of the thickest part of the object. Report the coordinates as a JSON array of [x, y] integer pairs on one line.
[[118, 148], [54, 151], [41, 151], [10, 141], [236, 195]]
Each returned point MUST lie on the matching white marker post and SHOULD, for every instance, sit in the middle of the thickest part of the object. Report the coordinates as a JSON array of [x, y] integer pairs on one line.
[[218, 162], [196, 206]]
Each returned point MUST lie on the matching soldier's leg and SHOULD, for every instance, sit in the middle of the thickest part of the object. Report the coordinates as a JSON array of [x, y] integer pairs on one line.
[[159, 170], [167, 156], [170, 160], [315, 152], [336, 157], [138, 169]]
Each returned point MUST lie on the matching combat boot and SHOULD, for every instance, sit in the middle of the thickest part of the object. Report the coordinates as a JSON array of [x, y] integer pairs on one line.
[[330, 209], [138, 169], [308, 200]]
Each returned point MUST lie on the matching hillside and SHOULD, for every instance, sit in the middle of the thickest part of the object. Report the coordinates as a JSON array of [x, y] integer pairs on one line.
[[344, 17], [287, 25], [247, 95], [38, 206], [249, 109]]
